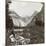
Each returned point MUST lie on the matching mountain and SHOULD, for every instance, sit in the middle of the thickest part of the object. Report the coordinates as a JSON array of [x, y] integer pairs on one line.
[[21, 21]]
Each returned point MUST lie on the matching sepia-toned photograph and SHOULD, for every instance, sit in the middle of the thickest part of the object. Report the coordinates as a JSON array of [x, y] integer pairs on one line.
[[24, 22]]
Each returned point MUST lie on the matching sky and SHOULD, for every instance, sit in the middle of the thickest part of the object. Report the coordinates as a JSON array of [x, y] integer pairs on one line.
[[25, 8]]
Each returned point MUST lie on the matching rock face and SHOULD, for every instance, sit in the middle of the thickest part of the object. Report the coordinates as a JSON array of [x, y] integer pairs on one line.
[[40, 18]]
